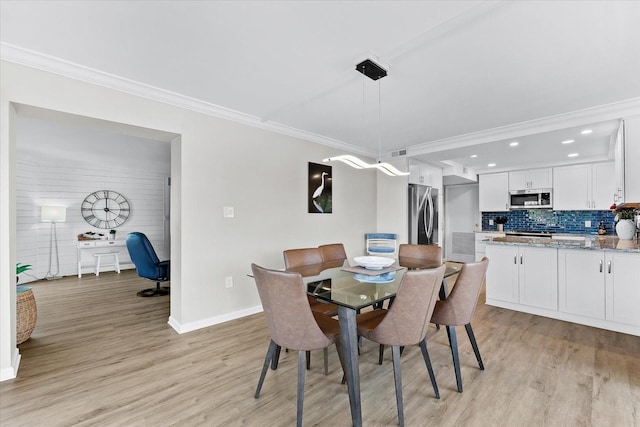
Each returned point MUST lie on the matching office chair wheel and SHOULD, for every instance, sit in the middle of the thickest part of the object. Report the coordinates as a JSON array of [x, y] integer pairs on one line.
[[155, 292]]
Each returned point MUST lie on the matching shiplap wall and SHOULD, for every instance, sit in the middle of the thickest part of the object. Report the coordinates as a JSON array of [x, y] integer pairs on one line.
[[70, 178]]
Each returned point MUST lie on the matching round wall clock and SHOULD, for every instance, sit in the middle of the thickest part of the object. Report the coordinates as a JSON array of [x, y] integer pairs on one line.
[[105, 209]]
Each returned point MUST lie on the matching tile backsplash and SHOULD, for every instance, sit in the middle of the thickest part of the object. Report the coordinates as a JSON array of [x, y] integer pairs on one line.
[[549, 220]]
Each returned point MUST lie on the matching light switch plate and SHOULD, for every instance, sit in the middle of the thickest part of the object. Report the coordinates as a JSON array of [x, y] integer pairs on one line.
[[587, 224], [228, 282], [228, 212], [490, 222]]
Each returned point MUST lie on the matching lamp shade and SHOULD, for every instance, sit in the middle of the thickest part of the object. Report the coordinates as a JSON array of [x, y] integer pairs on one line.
[[53, 214]]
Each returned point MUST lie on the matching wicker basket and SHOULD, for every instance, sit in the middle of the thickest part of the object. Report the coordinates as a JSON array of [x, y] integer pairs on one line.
[[26, 315]]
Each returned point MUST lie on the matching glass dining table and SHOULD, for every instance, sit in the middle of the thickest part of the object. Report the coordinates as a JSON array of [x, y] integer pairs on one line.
[[351, 290]]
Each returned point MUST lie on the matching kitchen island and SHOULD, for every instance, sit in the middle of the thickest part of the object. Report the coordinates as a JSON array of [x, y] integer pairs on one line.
[[591, 280]]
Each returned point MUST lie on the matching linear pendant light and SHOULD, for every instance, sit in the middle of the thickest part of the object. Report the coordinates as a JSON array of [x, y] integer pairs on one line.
[[374, 72]]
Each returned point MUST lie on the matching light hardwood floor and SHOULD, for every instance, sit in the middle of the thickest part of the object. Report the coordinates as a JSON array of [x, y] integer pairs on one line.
[[100, 356]]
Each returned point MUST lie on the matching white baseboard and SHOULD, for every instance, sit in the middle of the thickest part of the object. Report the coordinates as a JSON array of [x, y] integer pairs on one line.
[[204, 323], [12, 371]]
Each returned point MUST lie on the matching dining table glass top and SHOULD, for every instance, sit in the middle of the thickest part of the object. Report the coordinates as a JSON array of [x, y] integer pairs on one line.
[[330, 281]]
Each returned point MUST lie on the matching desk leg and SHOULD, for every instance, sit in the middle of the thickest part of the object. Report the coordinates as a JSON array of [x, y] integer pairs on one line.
[[349, 341]]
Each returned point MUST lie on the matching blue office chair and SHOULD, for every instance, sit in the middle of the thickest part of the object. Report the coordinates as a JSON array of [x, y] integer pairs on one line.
[[148, 266]]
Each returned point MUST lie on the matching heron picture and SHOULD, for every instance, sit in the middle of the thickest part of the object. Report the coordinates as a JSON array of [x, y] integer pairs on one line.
[[319, 188]]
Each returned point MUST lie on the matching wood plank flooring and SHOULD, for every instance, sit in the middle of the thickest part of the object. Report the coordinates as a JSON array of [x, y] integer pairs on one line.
[[100, 356]]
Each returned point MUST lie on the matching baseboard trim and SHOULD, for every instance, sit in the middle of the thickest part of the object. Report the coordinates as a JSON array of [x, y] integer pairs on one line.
[[216, 320], [12, 371]]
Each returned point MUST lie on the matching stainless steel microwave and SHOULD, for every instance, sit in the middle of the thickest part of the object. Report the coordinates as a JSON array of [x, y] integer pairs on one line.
[[531, 199]]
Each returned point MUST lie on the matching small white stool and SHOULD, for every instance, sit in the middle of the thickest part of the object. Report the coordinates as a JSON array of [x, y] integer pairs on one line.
[[116, 262]]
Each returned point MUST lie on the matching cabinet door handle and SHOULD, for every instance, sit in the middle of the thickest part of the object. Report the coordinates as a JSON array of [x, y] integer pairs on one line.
[[515, 259], [600, 266], [521, 258], [609, 267]]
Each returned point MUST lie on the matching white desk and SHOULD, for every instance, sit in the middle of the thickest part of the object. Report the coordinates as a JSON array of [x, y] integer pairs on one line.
[[94, 244]]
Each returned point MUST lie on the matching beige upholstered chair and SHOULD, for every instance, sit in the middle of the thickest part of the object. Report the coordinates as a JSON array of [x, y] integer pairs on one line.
[[333, 252], [459, 307], [406, 322], [295, 258], [291, 322]]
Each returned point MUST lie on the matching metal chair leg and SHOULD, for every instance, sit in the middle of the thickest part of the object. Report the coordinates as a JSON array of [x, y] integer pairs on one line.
[[474, 344], [380, 354], [427, 361], [453, 342], [276, 358], [265, 367], [395, 354], [301, 369], [308, 357]]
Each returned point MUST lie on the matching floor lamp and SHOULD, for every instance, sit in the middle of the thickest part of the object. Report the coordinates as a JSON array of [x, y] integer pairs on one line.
[[53, 214]]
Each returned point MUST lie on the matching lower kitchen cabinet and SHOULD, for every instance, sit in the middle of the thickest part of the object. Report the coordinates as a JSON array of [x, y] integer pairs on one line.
[[601, 285], [526, 275]]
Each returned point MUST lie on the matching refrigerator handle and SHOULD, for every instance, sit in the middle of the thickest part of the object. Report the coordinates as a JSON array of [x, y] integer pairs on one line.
[[428, 227]]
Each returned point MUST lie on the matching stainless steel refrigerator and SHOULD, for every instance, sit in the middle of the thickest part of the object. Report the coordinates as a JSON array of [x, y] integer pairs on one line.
[[423, 215]]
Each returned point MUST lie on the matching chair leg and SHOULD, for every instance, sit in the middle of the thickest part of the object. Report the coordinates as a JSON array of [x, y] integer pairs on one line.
[[276, 358], [301, 369], [395, 354], [474, 344], [380, 354], [308, 358], [453, 342], [341, 358], [427, 361], [267, 360]]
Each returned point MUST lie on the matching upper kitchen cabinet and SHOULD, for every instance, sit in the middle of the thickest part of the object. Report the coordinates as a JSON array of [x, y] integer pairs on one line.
[[425, 175], [530, 179], [632, 159], [584, 187], [494, 192]]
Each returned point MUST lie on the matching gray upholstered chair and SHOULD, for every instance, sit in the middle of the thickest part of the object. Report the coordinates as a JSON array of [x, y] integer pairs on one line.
[[406, 322], [459, 307], [291, 322]]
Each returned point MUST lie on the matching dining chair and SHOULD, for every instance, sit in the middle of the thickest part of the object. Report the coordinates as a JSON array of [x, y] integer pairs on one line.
[[421, 252], [333, 252], [458, 309], [303, 257], [405, 323], [291, 323]]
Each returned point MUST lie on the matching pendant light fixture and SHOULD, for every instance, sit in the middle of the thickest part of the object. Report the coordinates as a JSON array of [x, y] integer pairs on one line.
[[374, 72]]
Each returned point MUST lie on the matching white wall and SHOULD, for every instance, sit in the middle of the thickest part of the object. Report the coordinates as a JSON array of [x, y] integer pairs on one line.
[[60, 163], [215, 163], [462, 218]]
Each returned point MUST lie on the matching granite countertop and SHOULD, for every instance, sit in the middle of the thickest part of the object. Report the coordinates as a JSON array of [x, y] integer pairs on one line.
[[590, 242]]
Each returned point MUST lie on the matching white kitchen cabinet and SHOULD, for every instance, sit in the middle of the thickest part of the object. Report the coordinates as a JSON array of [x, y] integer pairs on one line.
[[481, 244], [494, 192], [584, 187], [622, 280], [526, 275], [632, 159], [599, 284], [425, 175], [531, 179], [581, 288]]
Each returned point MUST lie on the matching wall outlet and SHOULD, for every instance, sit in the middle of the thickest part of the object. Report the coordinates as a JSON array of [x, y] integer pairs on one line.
[[228, 282], [490, 222], [587, 224]]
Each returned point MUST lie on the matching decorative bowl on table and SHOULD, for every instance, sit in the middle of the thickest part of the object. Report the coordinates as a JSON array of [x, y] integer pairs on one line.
[[381, 278], [374, 262]]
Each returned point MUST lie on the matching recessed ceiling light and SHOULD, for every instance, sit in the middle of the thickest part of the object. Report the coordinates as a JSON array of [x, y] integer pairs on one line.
[[586, 132], [514, 143], [568, 141], [473, 156], [491, 165], [573, 155]]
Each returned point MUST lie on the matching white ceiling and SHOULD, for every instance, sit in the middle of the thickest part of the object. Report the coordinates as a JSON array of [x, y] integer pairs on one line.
[[464, 77]]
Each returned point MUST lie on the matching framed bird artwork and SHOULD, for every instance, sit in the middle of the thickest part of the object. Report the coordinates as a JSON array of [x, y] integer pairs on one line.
[[320, 177]]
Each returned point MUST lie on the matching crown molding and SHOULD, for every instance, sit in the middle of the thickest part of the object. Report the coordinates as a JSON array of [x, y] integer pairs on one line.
[[48, 63], [612, 111]]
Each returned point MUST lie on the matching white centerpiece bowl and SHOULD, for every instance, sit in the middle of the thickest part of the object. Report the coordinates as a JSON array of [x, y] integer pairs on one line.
[[374, 262]]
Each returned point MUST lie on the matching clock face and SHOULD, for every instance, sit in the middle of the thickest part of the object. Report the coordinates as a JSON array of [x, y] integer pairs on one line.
[[105, 209]]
